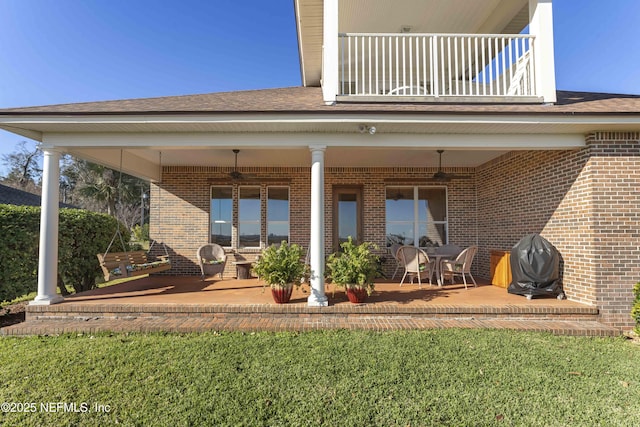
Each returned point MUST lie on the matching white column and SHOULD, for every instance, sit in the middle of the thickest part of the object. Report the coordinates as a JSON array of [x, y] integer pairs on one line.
[[330, 51], [48, 255], [316, 244], [541, 26]]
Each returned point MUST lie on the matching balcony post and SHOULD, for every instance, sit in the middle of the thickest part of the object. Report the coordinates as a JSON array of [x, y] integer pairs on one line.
[[330, 52], [541, 26]]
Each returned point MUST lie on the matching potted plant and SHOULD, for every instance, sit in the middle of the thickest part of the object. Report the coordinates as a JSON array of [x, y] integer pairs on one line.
[[354, 268], [280, 267]]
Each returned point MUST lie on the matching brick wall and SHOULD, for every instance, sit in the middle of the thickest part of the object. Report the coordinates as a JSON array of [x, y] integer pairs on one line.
[[180, 207], [585, 202]]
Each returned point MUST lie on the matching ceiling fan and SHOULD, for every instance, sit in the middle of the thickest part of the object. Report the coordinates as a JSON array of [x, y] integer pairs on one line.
[[442, 176], [235, 173]]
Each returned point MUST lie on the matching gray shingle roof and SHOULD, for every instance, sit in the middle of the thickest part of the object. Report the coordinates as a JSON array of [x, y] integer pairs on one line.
[[309, 100], [13, 196]]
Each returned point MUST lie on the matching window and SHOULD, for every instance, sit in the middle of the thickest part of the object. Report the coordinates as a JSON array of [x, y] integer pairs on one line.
[[277, 215], [249, 217], [261, 216], [221, 215], [416, 216]]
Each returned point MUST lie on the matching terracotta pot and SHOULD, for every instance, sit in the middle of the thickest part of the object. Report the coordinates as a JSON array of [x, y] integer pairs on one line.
[[357, 295], [281, 295]]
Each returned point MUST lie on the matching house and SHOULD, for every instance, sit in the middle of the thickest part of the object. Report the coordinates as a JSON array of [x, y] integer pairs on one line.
[[14, 196], [430, 123]]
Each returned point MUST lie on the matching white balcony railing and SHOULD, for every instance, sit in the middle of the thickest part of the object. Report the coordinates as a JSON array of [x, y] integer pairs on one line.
[[437, 65]]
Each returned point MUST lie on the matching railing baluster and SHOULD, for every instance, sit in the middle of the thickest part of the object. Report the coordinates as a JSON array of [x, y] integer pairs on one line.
[[456, 70], [433, 58], [369, 70], [532, 80], [424, 65], [361, 58], [503, 57], [404, 62], [384, 65], [410, 65], [377, 76], [477, 68], [463, 77], [397, 63]]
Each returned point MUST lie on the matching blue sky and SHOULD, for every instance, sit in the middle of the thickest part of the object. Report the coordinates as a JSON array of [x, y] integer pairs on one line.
[[64, 51]]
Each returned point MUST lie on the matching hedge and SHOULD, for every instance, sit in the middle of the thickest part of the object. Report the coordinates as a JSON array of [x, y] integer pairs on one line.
[[82, 235]]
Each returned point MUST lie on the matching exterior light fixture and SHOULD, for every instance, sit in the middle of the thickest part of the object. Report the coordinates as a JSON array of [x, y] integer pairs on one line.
[[365, 128]]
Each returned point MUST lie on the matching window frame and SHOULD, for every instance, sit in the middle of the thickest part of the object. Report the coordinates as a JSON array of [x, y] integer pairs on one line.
[[267, 221], [416, 212], [254, 222], [211, 221]]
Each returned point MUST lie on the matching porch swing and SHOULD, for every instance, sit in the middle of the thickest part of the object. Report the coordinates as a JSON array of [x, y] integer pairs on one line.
[[131, 263]]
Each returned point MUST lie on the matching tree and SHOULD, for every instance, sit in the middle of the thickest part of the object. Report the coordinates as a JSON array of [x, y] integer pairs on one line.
[[117, 192], [24, 167], [83, 184]]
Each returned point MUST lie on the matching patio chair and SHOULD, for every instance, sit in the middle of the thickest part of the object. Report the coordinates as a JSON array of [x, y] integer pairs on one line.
[[212, 260], [416, 263], [393, 250], [461, 266]]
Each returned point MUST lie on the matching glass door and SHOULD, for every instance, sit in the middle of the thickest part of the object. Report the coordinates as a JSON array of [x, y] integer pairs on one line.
[[347, 215]]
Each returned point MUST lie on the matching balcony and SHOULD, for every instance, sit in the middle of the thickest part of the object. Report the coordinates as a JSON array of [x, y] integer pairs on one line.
[[376, 67]]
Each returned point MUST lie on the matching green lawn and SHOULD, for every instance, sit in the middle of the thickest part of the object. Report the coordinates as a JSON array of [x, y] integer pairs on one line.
[[333, 378]]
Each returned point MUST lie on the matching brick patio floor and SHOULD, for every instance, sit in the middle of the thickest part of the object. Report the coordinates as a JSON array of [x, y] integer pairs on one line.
[[187, 304]]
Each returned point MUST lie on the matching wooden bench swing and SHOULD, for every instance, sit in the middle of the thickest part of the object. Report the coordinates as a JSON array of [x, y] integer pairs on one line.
[[116, 265], [128, 264]]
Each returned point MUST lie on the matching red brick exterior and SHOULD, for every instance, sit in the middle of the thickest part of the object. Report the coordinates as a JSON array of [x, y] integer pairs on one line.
[[584, 201]]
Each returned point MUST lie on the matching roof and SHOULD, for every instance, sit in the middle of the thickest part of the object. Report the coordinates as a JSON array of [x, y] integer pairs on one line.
[[309, 100], [13, 196]]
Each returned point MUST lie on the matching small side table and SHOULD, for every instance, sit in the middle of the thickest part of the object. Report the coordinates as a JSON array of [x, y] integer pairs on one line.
[[243, 268]]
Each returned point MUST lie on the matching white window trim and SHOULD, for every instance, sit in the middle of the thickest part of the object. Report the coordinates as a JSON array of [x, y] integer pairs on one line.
[[258, 222], [288, 221], [416, 210], [220, 221]]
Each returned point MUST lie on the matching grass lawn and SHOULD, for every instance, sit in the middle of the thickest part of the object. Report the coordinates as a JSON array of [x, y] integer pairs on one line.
[[333, 378]]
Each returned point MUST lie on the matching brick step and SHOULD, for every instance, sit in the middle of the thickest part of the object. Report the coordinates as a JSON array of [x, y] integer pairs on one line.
[[296, 311], [118, 317], [255, 322]]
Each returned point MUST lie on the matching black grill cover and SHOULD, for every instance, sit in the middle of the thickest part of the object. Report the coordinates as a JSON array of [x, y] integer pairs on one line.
[[535, 267]]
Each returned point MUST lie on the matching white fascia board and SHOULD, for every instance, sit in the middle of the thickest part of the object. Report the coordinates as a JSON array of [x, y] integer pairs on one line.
[[201, 140]]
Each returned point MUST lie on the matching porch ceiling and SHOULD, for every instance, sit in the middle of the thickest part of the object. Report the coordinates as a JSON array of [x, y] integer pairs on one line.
[[295, 157]]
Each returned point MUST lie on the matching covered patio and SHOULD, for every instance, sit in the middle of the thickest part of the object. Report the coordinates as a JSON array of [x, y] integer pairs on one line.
[[187, 304]]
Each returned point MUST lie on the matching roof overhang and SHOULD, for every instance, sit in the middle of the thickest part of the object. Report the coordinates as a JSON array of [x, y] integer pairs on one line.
[[400, 139]]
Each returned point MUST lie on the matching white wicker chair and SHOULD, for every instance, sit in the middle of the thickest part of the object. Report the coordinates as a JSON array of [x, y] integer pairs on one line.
[[393, 250], [460, 266], [416, 263], [212, 260]]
